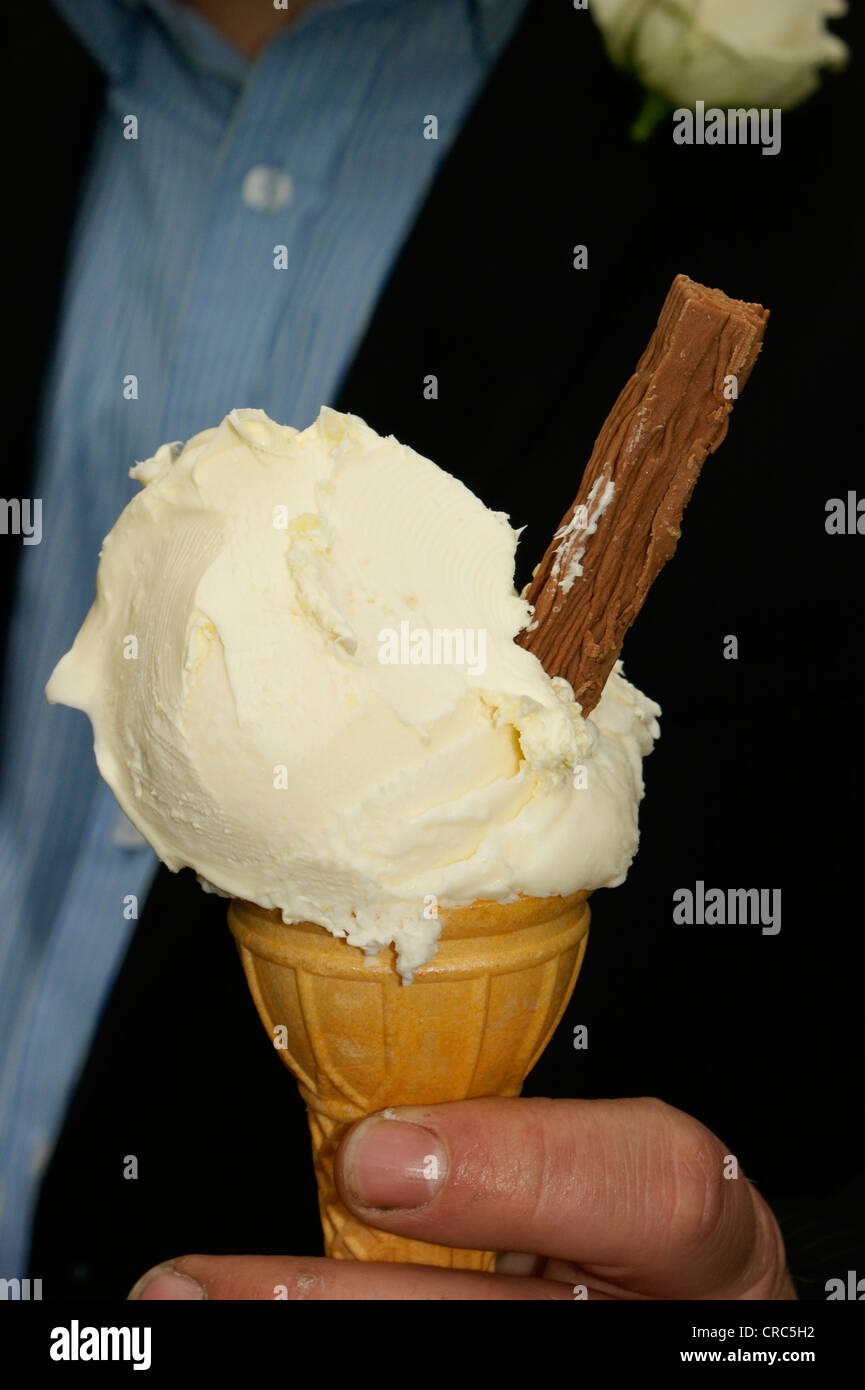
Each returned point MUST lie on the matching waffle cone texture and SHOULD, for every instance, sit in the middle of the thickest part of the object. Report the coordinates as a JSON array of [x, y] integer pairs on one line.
[[473, 1022]]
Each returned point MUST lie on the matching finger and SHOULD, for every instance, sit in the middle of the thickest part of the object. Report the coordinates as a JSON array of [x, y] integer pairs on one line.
[[567, 1272], [515, 1262], [260, 1277], [632, 1190]]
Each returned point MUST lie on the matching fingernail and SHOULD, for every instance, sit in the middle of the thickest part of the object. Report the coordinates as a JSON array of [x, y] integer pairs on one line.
[[391, 1163], [166, 1283]]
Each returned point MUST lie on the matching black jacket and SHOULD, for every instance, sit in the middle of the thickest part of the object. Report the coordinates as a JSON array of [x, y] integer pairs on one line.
[[751, 783]]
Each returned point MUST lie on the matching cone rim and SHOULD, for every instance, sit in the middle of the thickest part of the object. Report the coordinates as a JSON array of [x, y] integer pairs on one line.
[[497, 945]]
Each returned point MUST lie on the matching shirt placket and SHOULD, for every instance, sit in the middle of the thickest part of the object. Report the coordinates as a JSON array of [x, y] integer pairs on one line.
[[271, 180]]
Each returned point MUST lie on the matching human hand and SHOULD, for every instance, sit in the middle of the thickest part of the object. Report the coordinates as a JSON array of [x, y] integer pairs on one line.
[[626, 1199]]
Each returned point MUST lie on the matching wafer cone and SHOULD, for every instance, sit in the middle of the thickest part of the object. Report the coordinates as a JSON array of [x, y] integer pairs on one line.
[[473, 1022]]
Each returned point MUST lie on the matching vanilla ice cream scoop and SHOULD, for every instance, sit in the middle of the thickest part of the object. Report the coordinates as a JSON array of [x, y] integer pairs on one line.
[[302, 680]]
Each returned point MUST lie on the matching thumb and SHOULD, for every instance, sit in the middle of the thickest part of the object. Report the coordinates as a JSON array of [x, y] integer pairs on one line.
[[633, 1191]]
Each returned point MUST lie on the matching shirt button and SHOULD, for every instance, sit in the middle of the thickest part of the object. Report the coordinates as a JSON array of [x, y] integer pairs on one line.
[[266, 189]]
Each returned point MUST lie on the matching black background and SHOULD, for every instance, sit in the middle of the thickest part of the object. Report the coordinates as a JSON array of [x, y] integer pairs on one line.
[[756, 780]]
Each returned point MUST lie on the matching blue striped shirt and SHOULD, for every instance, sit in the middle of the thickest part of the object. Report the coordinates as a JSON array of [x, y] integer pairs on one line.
[[178, 306]]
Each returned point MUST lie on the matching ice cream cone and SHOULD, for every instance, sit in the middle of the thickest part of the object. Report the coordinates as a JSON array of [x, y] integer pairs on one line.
[[473, 1022]]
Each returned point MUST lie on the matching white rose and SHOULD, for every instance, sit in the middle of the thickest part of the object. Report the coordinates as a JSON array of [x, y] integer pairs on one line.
[[723, 52]]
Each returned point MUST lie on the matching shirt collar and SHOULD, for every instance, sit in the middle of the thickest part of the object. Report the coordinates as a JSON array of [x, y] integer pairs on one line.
[[108, 30]]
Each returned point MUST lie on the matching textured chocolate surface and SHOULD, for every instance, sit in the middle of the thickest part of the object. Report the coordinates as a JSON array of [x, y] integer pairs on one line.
[[614, 540]]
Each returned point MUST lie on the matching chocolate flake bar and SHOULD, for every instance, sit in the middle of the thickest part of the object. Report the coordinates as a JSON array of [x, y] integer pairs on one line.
[[624, 523]]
